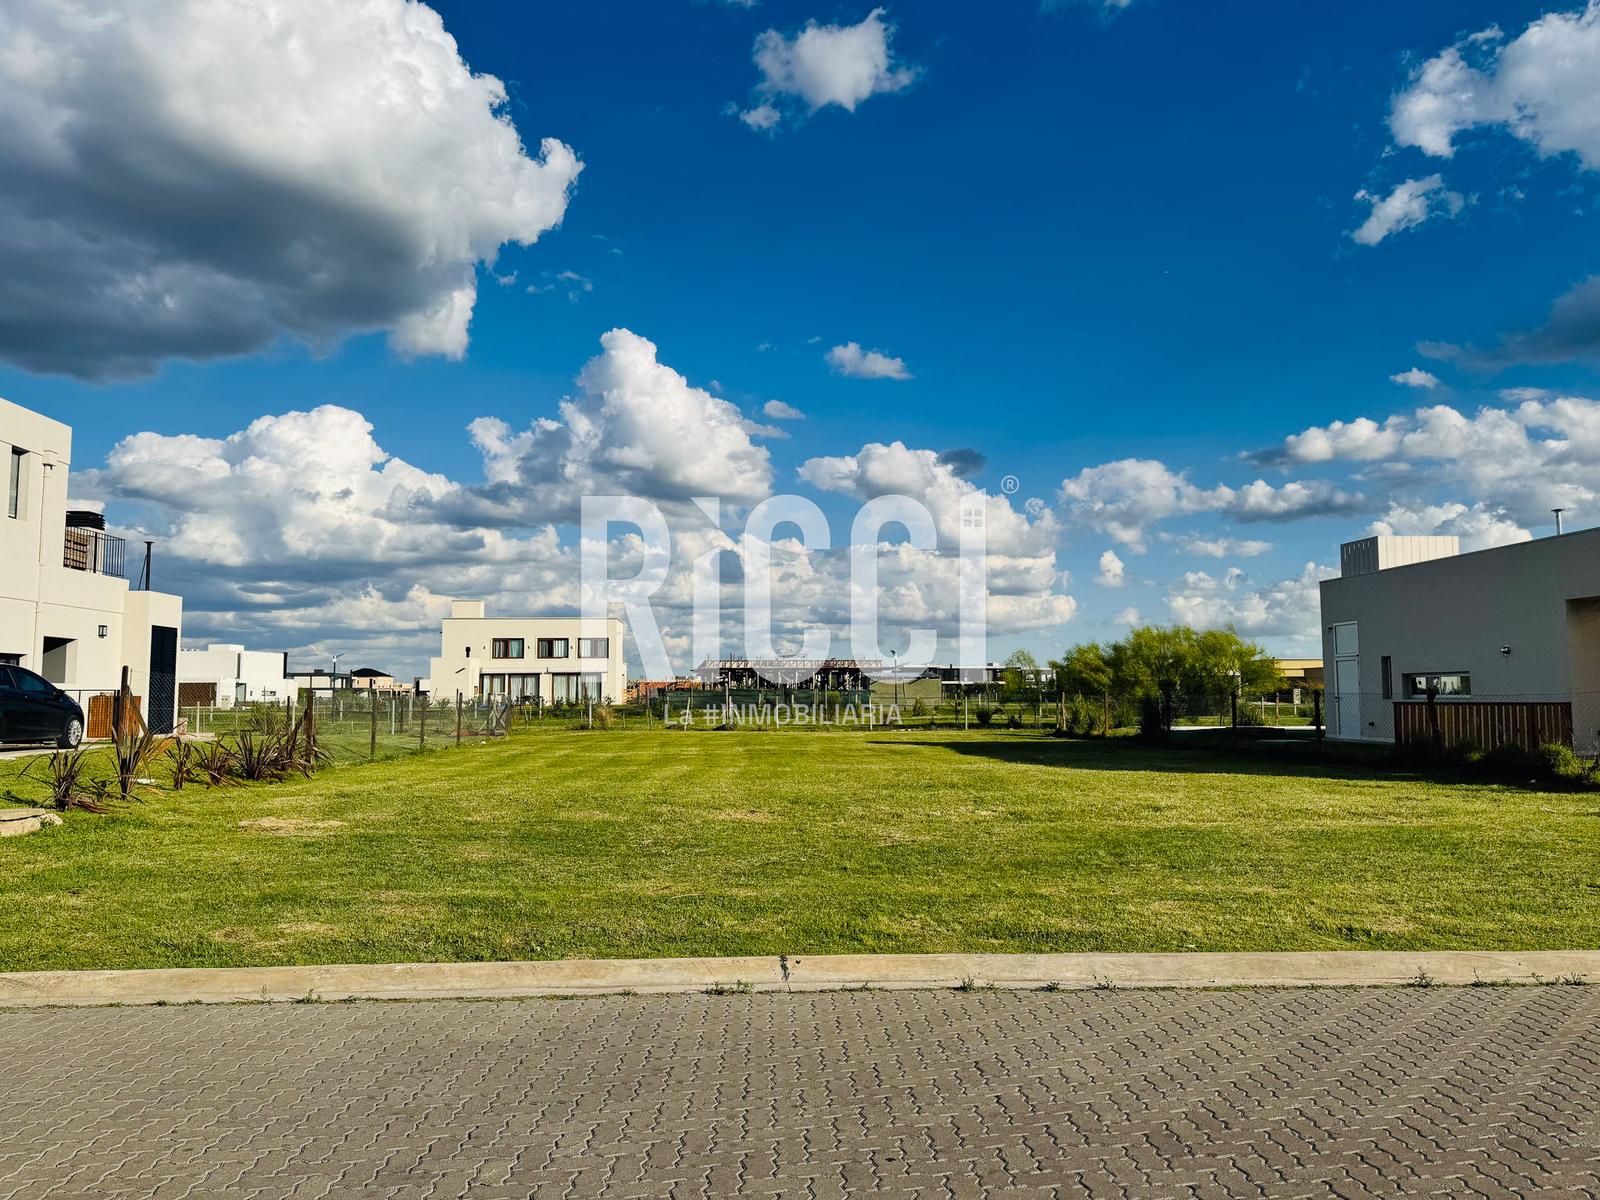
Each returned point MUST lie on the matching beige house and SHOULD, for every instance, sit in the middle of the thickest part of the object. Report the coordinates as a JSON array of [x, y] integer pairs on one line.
[[371, 679], [548, 660], [66, 610]]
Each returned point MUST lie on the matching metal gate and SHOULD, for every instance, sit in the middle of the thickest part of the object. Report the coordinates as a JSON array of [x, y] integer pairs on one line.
[[163, 677]]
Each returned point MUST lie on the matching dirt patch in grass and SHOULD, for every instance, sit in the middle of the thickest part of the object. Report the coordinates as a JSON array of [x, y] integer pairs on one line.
[[290, 826]]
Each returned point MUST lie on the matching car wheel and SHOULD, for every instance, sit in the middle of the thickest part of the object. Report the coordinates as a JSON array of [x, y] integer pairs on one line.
[[71, 735]]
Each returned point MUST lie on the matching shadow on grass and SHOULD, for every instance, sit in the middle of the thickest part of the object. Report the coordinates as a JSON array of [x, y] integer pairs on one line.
[[1128, 754]]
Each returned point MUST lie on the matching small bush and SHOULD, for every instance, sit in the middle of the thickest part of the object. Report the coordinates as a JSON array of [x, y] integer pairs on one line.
[[1508, 761], [1013, 722], [213, 762], [983, 716], [1562, 765], [260, 757], [181, 759], [1083, 716], [918, 709], [66, 775]]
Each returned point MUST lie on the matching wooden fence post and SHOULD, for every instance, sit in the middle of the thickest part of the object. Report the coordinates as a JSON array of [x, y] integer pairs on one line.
[[458, 719], [372, 744]]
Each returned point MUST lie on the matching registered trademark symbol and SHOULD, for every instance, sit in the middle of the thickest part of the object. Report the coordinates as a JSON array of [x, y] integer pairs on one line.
[[1010, 484]]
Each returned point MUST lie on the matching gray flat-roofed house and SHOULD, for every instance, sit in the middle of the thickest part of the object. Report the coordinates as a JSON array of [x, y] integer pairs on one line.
[[1412, 617]]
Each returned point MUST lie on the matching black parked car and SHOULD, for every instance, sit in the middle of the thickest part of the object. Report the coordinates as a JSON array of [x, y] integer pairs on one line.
[[32, 709]]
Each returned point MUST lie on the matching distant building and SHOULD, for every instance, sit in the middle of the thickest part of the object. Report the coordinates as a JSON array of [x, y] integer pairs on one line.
[[372, 679], [546, 660], [1301, 673], [1510, 634], [318, 681], [223, 675]]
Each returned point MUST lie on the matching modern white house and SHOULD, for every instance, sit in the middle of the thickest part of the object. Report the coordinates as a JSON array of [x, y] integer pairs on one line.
[[224, 674], [66, 610], [548, 660], [1501, 636]]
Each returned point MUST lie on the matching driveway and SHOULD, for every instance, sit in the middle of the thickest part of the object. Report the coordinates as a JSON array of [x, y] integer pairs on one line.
[[1489, 1091]]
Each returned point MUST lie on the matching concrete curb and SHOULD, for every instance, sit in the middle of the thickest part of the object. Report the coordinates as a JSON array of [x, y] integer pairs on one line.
[[820, 972]]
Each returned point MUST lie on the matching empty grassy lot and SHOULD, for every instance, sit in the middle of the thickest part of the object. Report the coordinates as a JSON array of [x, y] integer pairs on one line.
[[645, 842]]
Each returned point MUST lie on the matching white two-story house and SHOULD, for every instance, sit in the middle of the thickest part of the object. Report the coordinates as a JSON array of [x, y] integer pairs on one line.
[[66, 610], [549, 660]]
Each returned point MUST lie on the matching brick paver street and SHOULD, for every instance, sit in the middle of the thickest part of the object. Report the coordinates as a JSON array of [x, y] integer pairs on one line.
[[1413, 1091]]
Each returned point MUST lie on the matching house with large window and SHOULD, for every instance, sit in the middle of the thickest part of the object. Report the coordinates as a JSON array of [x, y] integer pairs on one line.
[[66, 610], [225, 674], [546, 660], [1494, 645]]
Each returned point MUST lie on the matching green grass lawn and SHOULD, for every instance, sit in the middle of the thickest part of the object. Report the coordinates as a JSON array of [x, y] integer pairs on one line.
[[644, 842]]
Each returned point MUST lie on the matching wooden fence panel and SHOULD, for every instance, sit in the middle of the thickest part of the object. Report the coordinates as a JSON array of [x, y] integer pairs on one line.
[[190, 694], [1482, 723], [98, 718]]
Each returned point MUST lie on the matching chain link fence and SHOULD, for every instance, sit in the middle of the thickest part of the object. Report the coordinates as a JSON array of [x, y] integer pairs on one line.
[[360, 726]]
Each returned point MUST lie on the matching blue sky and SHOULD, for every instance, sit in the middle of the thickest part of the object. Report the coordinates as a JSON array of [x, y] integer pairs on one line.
[[1089, 235]]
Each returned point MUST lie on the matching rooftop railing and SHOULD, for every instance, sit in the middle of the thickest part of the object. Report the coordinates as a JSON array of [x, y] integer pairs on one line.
[[94, 550]]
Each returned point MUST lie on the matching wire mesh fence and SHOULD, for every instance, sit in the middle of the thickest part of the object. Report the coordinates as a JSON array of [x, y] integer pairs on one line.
[[978, 709], [361, 726]]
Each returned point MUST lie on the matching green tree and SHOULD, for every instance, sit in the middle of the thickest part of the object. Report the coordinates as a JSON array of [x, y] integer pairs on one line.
[[1086, 670]]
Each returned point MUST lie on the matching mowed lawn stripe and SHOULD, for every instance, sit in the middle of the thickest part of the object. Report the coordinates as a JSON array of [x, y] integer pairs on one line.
[[630, 843]]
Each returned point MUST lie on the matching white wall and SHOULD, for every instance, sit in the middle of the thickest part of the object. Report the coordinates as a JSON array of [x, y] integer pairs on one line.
[[1455, 614], [42, 598], [466, 653], [227, 665]]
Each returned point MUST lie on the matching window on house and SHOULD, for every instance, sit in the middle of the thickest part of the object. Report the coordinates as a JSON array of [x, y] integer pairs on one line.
[[591, 687], [14, 483], [553, 648], [505, 648], [594, 647], [1439, 683], [563, 689], [1386, 666]]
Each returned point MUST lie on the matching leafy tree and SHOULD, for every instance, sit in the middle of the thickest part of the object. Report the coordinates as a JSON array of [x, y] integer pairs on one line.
[[1021, 673], [1086, 671], [1160, 664]]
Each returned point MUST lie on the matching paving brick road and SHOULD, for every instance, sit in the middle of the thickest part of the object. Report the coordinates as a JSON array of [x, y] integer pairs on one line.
[[1418, 1092]]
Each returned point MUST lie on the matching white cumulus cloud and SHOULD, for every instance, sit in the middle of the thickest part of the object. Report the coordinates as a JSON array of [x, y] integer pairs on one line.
[[636, 427], [1283, 608], [1125, 498], [1407, 206], [193, 179], [824, 64], [1112, 573], [1416, 377], [850, 359], [1542, 86]]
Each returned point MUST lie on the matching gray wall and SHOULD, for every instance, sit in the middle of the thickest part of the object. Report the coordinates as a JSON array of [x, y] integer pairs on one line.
[[1454, 614]]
